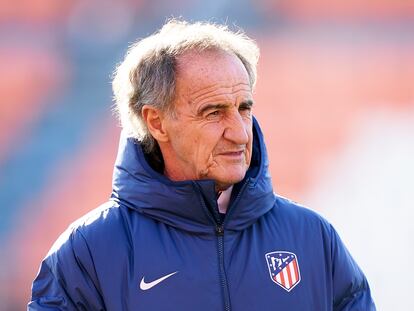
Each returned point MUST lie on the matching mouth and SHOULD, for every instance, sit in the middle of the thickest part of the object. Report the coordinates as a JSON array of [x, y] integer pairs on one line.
[[236, 154]]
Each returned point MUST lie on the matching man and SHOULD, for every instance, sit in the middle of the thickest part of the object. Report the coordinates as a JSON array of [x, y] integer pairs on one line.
[[193, 223]]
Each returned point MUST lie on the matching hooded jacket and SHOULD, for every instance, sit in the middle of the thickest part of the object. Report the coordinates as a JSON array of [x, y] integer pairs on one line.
[[162, 245]]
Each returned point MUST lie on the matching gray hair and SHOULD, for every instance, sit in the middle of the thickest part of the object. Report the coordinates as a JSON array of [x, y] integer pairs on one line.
[[147, 75]]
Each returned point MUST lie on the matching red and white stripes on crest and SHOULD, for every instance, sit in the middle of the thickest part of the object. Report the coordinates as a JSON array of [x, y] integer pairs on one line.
[[289, 275]]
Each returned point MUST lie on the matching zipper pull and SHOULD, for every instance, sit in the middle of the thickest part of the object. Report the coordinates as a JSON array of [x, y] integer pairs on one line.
[[220, 230]]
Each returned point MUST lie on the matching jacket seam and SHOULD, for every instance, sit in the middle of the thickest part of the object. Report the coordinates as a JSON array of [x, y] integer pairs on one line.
[[52, 273], [97, 286]]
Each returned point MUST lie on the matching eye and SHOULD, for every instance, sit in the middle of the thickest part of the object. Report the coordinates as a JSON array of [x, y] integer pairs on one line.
[[213, 114], [245, 109]]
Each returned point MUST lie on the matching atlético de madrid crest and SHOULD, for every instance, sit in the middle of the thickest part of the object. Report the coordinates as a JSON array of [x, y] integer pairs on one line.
[[284, 269]]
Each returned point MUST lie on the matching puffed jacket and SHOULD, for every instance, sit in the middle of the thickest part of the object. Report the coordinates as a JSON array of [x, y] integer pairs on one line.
[[159, 244]]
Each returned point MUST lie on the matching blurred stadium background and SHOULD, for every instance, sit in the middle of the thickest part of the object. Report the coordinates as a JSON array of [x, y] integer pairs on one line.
[[335, 98]]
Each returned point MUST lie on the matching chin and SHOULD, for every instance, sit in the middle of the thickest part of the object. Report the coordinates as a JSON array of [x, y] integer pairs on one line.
[[223, 182]]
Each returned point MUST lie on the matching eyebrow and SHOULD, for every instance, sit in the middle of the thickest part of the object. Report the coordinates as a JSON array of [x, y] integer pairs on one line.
[[246, 103]]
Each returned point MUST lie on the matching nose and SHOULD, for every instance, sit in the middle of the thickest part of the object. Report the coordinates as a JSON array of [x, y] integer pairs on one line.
[[236, 130]]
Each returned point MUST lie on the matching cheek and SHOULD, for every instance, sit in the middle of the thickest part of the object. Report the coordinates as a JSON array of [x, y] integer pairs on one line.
[[210, 137], [249, 148], [197, 144], [196, 149], [205, 150]]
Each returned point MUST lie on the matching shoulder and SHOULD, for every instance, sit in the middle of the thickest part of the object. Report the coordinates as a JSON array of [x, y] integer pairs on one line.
[[292, 216], [106, 220], [93, 230], [287, 208], [69, 269], [106, 213]]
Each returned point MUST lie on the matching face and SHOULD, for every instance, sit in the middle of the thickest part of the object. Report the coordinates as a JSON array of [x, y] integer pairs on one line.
[[210, 135]]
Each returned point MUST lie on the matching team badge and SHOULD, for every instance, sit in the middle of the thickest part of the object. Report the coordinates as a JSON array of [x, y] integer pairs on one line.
[[284, 269]]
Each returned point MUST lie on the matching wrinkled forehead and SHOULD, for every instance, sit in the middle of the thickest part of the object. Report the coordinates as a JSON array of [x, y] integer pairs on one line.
[[200, 70], [215, 64]]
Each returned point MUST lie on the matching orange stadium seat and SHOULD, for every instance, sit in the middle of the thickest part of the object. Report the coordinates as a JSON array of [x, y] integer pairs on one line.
[[76, 188], [39, 11], [316, 93], [316, 10], [30, 76]]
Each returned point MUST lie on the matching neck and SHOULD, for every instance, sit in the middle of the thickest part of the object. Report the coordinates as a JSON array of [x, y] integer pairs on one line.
[[155, 159], [224, 200]]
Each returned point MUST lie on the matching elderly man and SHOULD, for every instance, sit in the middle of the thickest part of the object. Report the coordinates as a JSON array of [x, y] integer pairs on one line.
[[193, 223]]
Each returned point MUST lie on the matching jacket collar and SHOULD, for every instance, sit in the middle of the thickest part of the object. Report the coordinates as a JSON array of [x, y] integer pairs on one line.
[[191, 205]]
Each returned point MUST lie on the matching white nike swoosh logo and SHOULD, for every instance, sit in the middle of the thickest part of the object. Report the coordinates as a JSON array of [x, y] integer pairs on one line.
[[144, 286]]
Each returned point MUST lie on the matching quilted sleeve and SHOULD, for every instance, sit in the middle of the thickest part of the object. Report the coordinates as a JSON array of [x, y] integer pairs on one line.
[[66, 279], [350, 287]]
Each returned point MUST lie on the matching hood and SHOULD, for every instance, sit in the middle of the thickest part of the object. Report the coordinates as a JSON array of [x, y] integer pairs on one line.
[[191, 205]]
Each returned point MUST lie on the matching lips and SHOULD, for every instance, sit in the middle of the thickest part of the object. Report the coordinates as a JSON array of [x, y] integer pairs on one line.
[[232, 154]]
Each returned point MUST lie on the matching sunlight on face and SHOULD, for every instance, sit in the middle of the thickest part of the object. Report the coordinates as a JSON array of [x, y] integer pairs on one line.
[[210, 135]]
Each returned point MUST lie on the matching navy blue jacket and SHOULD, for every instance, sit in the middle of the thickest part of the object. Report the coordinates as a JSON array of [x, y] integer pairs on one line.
[[161, 245]]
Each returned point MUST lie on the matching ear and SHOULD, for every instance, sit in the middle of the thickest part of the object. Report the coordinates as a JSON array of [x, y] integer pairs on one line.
[[154, 120]]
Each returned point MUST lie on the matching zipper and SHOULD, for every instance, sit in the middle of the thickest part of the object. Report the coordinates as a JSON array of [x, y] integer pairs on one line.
[[236, 200], [223, 277], [219, 228]]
